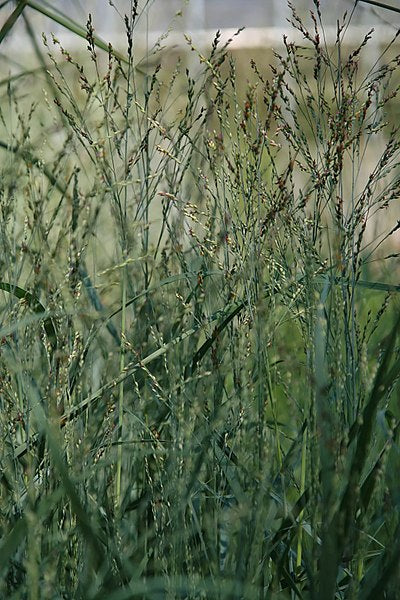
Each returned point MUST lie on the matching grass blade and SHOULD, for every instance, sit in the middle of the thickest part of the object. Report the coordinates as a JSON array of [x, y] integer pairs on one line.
[[73, 27], [381, 5], [36, 306], [12, 19]]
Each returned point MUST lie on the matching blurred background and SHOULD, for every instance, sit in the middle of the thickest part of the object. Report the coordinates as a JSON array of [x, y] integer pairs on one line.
[[265, 20]]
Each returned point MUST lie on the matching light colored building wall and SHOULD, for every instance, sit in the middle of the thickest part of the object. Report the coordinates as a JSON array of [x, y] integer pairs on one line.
[[265, 20]]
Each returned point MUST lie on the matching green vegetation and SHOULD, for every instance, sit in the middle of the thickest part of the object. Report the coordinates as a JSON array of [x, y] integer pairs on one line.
[[199, 328]]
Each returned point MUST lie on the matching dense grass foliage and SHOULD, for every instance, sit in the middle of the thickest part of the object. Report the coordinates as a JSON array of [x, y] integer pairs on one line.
[[199, 354]]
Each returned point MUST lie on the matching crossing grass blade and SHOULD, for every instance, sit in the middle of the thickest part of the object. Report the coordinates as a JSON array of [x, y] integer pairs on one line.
[[381, 5], [36, 306], [383, 574], [75, 28], [12, 19]]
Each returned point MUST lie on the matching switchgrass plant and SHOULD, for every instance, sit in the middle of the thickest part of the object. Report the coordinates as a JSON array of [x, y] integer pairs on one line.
[[199, 356]]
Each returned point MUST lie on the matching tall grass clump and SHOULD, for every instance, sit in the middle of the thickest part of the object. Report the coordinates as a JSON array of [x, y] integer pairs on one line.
[[199, 322]]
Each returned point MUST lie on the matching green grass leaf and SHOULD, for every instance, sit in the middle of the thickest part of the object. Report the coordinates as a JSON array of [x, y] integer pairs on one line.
[[73, 27], [36, 306], [12, 19]]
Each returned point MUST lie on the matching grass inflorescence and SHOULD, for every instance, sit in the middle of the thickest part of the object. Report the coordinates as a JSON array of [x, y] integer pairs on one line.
[[199, 355]]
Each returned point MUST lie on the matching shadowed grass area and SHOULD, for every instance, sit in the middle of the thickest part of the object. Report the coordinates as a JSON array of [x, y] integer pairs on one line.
[[199, 357]]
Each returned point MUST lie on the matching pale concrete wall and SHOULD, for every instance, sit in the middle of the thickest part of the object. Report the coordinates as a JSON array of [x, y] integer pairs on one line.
[[265, 20]]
